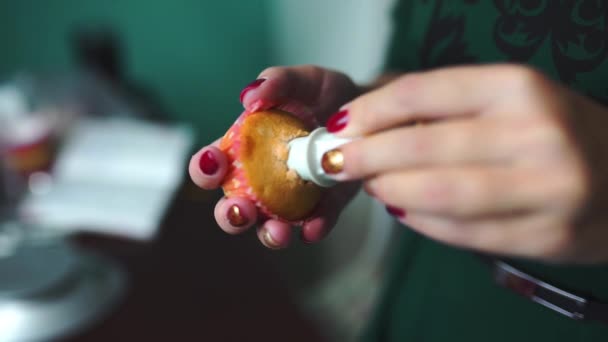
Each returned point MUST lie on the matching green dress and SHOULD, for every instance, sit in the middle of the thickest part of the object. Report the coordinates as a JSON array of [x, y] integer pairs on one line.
[[438, 293]]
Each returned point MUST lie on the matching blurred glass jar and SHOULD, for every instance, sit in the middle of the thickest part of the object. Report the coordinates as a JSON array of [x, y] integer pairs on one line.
[[33, 116]]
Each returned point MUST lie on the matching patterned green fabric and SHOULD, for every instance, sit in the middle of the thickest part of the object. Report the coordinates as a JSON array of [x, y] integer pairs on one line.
[[439, 293]]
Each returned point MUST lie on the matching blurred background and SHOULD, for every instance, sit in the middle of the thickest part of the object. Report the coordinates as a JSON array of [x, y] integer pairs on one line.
[[102, 236]]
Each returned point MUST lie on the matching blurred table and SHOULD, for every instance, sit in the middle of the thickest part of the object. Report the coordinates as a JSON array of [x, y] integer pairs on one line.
[[196, 283]]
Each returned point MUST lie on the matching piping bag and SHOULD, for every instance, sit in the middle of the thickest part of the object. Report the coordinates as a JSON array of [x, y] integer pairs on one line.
[[306, 154]]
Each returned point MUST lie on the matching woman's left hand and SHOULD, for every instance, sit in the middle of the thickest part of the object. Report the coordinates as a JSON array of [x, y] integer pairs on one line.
[[505, 161]]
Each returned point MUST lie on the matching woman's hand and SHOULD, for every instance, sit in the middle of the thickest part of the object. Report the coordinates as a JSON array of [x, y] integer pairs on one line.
[[309, 92], [505, 161]]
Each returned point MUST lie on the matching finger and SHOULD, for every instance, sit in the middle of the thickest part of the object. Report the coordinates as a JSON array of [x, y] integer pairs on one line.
[[275, 234], [235, 215], [317, 228], [439, 94], [288, 89], [297, 90], [328, 211], [279, 83], [208, 167], [487, 140], [529, 235], [470, 191]]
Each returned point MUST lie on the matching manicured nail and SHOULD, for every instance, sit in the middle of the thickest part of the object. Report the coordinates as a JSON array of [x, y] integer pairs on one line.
[[394, 211], [269, 241], [333, 162], [337, 122], [208, 164], [251, 86], [236, 217]]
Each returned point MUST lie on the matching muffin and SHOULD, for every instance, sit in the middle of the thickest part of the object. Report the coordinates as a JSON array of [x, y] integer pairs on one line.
[[257, 147]]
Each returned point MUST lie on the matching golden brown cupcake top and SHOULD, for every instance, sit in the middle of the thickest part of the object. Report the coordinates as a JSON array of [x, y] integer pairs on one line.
[[262, 155]]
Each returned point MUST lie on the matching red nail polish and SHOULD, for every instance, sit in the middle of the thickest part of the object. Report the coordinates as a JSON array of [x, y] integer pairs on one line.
[[208, 164], [337, 122], [251, 86], [398, 212]]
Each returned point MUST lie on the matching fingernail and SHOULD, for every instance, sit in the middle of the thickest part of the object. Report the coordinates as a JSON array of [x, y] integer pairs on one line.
[[236, 217], [249, 87], [394, 211], [208, 164], [337, 122], [269, 241], [333, 162]]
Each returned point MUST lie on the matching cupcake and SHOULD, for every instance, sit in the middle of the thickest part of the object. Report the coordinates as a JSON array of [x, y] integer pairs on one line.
[[257, 150]]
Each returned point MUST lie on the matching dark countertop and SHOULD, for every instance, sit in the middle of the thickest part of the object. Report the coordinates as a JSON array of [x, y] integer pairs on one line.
[[196, 283]]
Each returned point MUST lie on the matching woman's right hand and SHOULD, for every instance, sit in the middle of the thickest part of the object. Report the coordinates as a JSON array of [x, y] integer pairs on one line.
[[309, 92]]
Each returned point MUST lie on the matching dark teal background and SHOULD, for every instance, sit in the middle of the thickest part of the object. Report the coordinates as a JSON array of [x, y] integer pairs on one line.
[[197, 55]]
